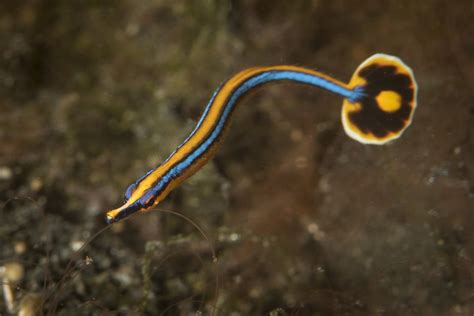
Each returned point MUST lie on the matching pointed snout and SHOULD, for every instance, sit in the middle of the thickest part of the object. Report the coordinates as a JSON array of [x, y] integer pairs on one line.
[[122, 212]]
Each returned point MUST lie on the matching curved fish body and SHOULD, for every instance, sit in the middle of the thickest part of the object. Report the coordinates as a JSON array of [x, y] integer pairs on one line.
[[378, 106]]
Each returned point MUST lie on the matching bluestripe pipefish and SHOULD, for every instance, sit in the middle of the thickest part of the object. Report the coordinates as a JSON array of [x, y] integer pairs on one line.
[[379, 102]]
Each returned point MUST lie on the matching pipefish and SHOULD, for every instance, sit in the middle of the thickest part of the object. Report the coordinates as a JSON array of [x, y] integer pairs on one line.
[[379, 103]]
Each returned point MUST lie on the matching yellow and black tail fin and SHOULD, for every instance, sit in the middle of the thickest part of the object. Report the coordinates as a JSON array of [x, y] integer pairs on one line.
[[386, 101]]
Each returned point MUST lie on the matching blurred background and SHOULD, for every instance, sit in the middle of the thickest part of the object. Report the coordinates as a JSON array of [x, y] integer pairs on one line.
[[302, 220]]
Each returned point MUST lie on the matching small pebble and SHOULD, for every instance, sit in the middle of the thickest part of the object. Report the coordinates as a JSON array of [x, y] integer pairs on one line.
[[36, 184], [30, 305], [19, 247], [315, 231], [76, 244], [5, 173], [13, 271]]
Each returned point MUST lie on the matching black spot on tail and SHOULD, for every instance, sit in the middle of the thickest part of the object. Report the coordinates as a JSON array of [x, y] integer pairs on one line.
[[371, 119]]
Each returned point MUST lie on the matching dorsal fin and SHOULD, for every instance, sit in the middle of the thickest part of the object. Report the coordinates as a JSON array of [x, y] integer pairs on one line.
[[132, 187]]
